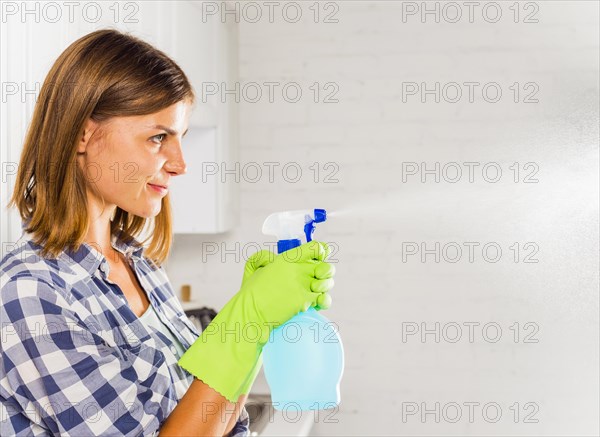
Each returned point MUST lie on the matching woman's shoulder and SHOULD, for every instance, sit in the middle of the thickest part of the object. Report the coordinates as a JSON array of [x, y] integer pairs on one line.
[[24, 263], [23, 260]]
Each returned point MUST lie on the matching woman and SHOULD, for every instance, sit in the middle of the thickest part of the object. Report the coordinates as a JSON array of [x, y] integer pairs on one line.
[[92, 332]]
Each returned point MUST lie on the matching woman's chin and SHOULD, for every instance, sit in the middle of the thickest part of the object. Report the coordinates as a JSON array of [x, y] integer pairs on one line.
[[149, 212]]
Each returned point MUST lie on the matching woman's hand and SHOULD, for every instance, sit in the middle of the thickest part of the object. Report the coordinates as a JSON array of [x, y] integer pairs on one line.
[[281, 286]]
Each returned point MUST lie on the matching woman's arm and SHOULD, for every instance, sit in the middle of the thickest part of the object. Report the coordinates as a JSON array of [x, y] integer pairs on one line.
[[202, 411], [240, 404]]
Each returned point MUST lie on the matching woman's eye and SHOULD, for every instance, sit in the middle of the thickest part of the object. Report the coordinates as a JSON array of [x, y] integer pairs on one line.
[[158, 138]]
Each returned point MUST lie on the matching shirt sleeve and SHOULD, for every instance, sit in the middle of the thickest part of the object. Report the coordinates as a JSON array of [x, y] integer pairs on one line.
[[59, 376]]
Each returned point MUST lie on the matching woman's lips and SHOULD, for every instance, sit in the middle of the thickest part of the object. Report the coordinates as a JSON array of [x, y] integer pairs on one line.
[[158, 188]]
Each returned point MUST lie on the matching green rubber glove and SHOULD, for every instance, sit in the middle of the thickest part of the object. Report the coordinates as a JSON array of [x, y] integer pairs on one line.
[[227, 355], [255, 262]]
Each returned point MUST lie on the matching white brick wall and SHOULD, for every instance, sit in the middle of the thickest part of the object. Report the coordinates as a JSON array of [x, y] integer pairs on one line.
[[368, 134]]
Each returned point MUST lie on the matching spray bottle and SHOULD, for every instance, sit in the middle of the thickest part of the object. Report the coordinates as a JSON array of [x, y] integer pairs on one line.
[[304, 358]]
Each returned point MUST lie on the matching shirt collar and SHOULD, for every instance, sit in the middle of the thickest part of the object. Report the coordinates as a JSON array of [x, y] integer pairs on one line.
[[89, 256], [133, 248]]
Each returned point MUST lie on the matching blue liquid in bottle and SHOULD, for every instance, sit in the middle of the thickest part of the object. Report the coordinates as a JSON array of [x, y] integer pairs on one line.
[[304, 362]]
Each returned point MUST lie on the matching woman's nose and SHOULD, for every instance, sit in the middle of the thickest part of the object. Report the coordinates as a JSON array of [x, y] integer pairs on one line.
[[175, 163]]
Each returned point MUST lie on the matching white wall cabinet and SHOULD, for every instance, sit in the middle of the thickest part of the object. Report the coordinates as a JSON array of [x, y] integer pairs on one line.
[[207, 52]]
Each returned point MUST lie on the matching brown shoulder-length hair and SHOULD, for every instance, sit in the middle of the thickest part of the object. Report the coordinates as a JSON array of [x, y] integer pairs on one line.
[[104, 74]]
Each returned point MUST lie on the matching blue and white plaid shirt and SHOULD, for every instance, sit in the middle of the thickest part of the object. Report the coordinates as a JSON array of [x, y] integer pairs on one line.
[[75, 360]]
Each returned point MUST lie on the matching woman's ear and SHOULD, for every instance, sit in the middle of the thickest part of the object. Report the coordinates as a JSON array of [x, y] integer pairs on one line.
[[88, 130]]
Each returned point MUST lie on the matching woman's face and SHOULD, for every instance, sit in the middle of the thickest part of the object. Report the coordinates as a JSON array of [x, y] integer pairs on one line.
[[127, 159]]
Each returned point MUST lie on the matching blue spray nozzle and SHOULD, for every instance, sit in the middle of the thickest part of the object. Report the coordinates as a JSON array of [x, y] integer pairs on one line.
[[320, 215]]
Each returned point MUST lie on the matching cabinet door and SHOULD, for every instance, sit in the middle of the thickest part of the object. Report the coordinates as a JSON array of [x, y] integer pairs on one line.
[[196, 51], [204, 201]]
